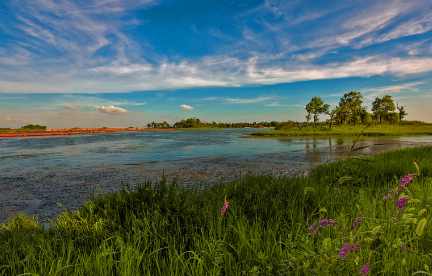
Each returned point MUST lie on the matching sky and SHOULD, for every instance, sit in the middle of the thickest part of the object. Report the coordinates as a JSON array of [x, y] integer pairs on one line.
[[115, 63]]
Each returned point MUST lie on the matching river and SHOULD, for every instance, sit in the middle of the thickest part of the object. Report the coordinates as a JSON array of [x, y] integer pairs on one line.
[[36, 173]]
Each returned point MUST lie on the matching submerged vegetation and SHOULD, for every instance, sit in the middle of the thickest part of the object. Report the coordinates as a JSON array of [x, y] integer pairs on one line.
[[353, 217]]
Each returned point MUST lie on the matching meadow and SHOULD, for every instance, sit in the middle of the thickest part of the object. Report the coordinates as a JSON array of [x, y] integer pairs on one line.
[[351, 130], [359, 216]]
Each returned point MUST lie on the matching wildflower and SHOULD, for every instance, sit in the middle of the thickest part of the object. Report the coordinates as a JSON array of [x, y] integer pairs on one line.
[[224, 207], [400, 204], [365, 270], [357, 223], [406, 249], [322, 223], [406, 179], [346, 249]]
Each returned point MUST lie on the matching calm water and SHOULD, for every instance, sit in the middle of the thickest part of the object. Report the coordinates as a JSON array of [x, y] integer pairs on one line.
[[150, 146]]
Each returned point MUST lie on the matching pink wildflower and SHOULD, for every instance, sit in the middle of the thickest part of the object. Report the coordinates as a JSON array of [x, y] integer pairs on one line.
[[406, 179], [224, 207], [365, 270]]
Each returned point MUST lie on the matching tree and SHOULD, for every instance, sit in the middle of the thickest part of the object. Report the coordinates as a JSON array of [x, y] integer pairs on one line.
[[402, 113], [392, 117], [308, 117], [350, 104], [317, 106], [332, 113], [367, 118], [382, 107]]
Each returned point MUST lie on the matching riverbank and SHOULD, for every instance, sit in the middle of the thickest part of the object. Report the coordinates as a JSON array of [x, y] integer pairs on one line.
[[28, 133], [168, 229], [379, 130]]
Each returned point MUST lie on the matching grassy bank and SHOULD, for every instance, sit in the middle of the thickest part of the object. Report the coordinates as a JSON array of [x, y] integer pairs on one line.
[[379, 130], [165, 229]]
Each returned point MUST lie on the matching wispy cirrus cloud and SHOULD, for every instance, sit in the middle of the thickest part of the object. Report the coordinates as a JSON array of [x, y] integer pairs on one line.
[[280, 52], [247, 101], [372, 93], [279, 104]]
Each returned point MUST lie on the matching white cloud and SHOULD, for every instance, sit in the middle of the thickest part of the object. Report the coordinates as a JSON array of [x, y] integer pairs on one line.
[[70, 107], [372, 93], [78, 31], [277, 104], [111, 110], [15, 120], [186, 107], [248, 101]]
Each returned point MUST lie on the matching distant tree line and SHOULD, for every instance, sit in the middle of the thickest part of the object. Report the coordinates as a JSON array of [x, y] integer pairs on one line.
[[197, 123], [349, 110], [33, 127], [164, 124]]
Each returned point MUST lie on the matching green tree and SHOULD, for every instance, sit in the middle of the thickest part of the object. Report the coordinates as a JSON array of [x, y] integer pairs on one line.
[[308, 117], [392, 117], [350, 104], [367, 118], [402, 113], [317, 106], [381, 107], [332, 113]]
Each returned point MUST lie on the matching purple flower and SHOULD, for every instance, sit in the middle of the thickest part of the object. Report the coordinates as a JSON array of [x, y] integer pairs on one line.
[[357, 223], [346, 249], [400, 204], [224, 207], [406, 249], [406, 179], [365, 270], [322, 223]]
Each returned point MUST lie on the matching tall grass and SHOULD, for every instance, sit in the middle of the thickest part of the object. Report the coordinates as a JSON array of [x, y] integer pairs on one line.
[[352, 130], [164, 228]]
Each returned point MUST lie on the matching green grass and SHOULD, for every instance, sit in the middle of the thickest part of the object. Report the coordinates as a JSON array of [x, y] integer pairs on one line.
[[165, 229], [379, 130]]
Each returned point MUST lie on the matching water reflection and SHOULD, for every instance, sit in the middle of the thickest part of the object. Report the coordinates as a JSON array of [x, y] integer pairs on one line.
[[154, 146]]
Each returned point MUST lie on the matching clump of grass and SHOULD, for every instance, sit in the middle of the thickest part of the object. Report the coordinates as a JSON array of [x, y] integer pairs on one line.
[[165, 228]]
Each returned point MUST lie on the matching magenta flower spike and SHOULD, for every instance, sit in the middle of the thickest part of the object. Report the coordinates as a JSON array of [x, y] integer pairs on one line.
[[365, 270], [224, 207], [406, 179]]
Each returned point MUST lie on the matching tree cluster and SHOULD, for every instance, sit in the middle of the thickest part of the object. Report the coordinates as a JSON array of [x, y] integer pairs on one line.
[[350, 110], [33, 127], [164, 124], [197, 123]]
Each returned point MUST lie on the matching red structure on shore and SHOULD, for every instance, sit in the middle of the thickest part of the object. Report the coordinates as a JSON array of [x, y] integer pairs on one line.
[[65, 131]]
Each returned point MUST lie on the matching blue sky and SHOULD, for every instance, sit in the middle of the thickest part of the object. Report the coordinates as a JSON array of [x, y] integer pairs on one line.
[[68, 63]]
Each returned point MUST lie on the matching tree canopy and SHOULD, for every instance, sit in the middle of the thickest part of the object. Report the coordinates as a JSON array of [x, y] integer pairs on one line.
[[317, 106], [350, 105], [383, 106]]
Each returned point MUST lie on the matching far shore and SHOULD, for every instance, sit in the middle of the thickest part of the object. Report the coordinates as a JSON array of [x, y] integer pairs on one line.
[[351, 130]]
